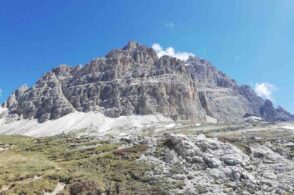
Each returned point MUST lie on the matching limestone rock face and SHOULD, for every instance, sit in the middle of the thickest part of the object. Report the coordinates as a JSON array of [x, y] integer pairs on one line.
[[269, 113], [254, 101], [133, 80], [43, 101]]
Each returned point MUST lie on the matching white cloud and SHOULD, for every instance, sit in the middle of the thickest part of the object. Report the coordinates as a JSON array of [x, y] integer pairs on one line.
[[169, 25], [265, 90], [170, 51]]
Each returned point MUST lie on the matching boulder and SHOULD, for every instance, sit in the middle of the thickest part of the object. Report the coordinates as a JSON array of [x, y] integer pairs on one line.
[[84, 188]]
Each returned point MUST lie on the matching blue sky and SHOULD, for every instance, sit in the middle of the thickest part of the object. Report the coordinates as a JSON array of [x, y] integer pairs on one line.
[[252, 41]]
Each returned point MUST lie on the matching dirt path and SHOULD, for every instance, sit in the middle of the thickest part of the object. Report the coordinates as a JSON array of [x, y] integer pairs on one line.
[[59, 187]]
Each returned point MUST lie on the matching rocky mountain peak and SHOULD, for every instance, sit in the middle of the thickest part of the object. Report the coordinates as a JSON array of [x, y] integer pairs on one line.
[[133, 52], [132, 45], [133, 81]]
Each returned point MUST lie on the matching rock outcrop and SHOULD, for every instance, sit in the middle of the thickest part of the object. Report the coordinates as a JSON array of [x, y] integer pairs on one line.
[[201, 165], [269, 113], [134, 81]]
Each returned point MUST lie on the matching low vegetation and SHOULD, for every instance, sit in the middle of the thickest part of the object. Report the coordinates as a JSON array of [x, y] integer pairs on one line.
[[34, 166]]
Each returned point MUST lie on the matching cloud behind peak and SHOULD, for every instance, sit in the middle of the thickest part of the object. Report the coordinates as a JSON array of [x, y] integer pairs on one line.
[[170, 51], [265, 90]]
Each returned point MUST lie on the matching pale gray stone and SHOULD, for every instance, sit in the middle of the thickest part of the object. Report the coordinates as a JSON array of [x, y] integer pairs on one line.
[[133, 80]]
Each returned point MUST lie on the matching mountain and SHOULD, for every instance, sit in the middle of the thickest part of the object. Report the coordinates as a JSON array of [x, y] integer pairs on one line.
[[133, 80]]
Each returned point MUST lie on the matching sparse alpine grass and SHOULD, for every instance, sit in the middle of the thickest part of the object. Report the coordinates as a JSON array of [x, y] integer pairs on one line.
[[35, 165]]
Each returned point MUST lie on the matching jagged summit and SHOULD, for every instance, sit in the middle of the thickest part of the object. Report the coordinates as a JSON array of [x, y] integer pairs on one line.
[[132, 45], [134, 81], [134, 52]]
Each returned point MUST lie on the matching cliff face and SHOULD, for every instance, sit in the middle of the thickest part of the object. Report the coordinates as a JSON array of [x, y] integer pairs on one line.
[[134, 81]]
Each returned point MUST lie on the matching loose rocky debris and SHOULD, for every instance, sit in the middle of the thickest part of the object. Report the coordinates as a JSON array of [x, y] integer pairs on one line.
[[254, 159], [201, 165]]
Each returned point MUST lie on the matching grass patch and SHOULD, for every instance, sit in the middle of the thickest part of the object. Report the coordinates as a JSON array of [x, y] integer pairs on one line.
[[35, 165]]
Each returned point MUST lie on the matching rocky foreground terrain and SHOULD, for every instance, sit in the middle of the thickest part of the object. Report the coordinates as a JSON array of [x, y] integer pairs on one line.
[[252, 158]]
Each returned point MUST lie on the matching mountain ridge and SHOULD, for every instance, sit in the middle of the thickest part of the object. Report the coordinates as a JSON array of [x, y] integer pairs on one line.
[[133, 80]]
